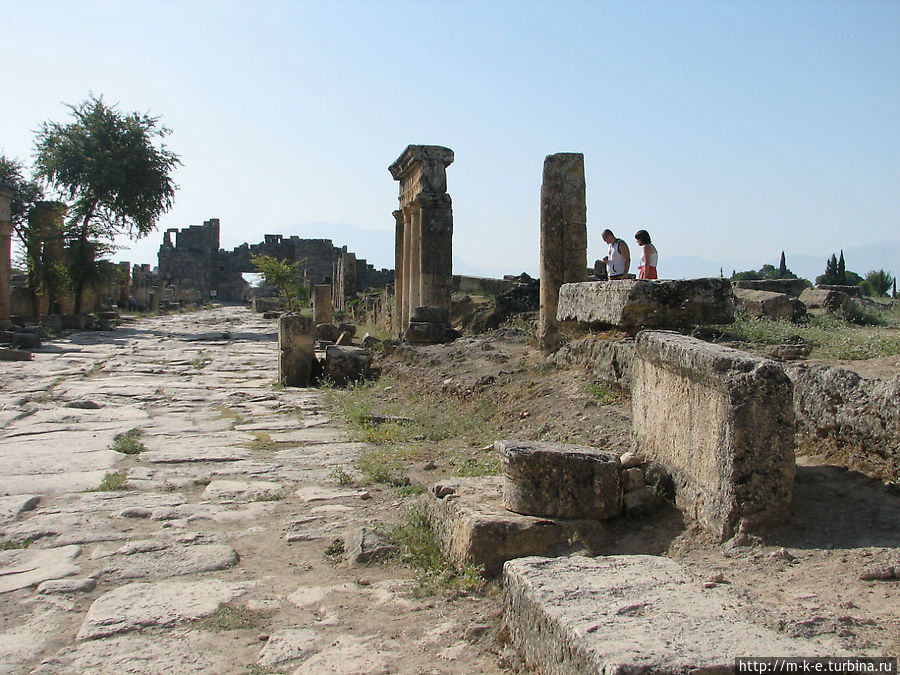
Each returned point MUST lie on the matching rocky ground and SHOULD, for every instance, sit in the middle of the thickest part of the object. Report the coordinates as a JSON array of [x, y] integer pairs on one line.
[[220, 554]]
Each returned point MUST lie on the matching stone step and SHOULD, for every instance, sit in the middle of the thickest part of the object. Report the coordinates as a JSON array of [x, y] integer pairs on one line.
[[632, 614]]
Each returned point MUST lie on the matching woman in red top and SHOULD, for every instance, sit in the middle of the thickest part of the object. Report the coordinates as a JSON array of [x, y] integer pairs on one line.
[[649, 256]]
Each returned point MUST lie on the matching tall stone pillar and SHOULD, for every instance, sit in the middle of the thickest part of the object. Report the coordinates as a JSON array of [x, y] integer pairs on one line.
[[563, 237], [322, 307], [425, 256], [396, 319], [125, 288], [46, 222], [6, 195]]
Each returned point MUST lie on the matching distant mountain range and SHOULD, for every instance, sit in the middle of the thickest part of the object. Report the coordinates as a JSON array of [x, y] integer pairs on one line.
[[377, 247]]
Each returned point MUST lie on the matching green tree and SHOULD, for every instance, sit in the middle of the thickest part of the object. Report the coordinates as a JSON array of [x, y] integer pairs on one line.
[[115, 168], [841, 274], [782, 267], [878, 283], [25, 194], [284, 277]]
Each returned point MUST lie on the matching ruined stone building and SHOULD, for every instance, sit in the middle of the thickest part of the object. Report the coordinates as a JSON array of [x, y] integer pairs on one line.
[[197, 269]]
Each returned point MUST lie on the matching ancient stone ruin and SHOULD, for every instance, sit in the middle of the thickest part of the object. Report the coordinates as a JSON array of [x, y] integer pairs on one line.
[[6, 195], [563, 237], [423, 244], [196, 269]]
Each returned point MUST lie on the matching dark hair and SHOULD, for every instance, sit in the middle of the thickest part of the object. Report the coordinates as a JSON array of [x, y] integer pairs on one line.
[[643, 238], [607, 232]]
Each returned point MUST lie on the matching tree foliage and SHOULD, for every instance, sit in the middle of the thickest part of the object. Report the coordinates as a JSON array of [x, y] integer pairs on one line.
[[286, 278], [25, 193], [836, 273], [766, 272], [877, 283], [115, 171]]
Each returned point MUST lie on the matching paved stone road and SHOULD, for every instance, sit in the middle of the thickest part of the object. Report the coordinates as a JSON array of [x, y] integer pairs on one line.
[[213, 560]]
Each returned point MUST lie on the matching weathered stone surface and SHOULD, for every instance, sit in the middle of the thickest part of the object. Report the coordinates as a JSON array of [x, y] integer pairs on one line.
[[15, 355], [610, 361], [631, 614], [473, 527], [346, 364], [21, 568], [832, 301], [837, 406], [351, 655], [765, 304], [193, 454], [289, 644], [142, 605], [296, 335], [422, 333], [792, 287], [563, 237], [722, 422], [364, 545], [70, 585], [322, 307], [240, 489], [11, 507], [559, 480], [263, 305], [631, 304], [170, 561], [327, 332], [852, 291]]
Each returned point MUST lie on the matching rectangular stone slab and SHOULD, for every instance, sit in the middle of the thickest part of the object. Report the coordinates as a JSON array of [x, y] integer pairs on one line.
[[631, 303], [722, 423], [632, 614], [472, 526]]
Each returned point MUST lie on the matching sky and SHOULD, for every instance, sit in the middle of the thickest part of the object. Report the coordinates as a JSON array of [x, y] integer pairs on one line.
[[729, 130]]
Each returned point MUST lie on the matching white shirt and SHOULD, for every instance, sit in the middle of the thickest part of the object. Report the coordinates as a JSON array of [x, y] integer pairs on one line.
[[616, 263]]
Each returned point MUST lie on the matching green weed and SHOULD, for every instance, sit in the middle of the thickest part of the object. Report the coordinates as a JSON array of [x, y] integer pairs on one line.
[[112, 481], [230, 616], [340, 476], [128, 443], [12, 545], [261, 442]]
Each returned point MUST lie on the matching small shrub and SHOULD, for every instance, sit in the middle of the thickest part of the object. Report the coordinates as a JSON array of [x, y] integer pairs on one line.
[[12, 545], [341, 477], [267, 497], [128, 443], [335, 550], [113, 481], [604, 394]]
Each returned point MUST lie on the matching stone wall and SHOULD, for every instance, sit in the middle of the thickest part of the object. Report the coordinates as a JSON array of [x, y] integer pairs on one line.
[[859, 418], [722, 422]]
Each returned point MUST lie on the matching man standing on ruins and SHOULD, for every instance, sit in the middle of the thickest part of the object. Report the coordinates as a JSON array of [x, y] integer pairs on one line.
[[618, 258]]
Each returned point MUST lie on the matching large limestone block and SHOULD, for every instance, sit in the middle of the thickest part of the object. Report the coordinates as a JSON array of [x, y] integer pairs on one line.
[[559, 480], [765, 304], [631, 303], [347, 364], [473, 527], [632, 614], [722, 422], [832, 301], [792, 287], [296, 349]]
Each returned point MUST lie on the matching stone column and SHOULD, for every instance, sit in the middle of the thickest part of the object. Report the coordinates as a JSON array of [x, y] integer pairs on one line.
[[6, 195], [296, 342], [125, 287], [424, 261], [435, 218], [563, 237], [399, 295], [322, 308]]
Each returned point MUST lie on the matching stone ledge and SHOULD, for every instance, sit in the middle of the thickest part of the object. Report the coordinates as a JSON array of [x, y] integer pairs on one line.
[[632, 614]]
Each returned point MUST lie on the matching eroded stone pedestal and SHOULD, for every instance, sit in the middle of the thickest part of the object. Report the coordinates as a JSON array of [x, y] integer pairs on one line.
[[296, 341], [560, 480]]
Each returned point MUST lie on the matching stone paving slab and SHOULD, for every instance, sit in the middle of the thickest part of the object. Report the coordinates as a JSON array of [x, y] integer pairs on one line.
[[22, 568], [142, 605], [632, 614], [11, 507]]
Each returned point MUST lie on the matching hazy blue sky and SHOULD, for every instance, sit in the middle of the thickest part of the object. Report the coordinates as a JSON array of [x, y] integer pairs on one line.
[[730, 130]]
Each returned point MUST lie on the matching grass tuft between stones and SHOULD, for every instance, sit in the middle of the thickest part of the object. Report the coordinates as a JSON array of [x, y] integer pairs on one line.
[[128, 443], [230, 616], [112, 481]]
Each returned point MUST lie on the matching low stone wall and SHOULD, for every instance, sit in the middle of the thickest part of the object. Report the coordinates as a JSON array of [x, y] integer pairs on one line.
[[792, 287], [722, 422], [610, 361], [766, 304], [464, 284], [856, 416]]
